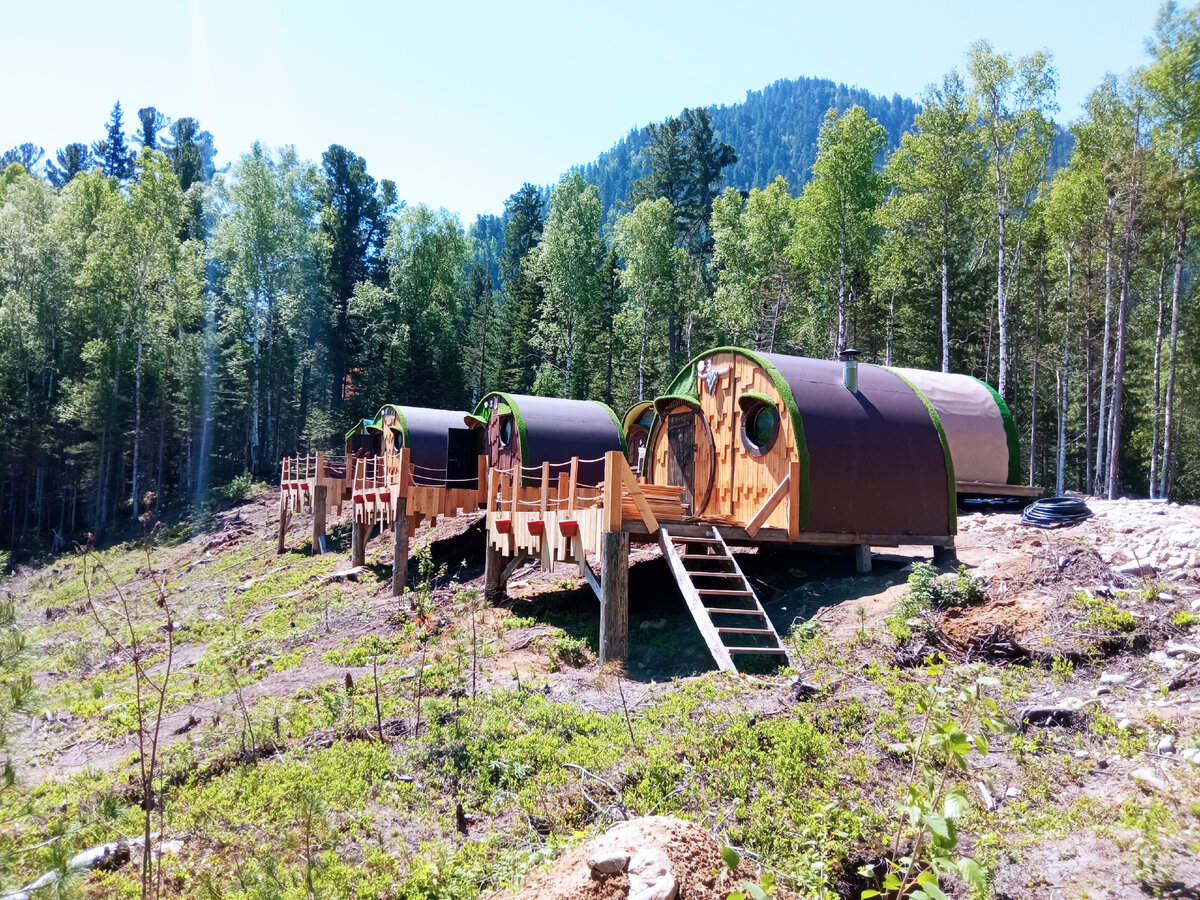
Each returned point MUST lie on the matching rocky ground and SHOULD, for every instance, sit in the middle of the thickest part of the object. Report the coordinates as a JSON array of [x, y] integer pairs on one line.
[[430, 733]]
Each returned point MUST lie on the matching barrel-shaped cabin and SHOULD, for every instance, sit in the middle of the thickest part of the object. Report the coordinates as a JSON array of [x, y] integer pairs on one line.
[[636, 428], [979, 430], [425, 432], [792, 447], [518, 433]]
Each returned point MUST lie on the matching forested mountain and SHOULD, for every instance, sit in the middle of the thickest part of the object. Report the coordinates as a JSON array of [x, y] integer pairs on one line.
[[774, 132], [166, 326]]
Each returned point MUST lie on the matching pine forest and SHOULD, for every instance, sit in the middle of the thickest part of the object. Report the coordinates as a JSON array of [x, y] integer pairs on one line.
[[171, 322]]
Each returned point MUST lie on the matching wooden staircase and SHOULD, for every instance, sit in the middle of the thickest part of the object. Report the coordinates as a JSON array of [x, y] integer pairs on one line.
[[721, 599]]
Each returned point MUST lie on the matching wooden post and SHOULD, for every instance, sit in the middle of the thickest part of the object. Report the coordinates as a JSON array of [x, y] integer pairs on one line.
[[944, 554], [862, 558], [493, 566], [574, 495], [612, 490], [283, 520], [614, 595], [319, 499], [545, 497], [400, 547], [358, 543], [484, 480]]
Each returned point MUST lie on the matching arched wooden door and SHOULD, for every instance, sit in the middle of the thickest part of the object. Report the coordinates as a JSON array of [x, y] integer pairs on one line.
[[690, 456]]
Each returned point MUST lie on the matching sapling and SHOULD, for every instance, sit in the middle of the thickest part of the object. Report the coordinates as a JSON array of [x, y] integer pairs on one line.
[[956, 718]]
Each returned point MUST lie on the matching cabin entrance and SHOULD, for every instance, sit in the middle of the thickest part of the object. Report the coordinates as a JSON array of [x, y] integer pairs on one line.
[[690, 456], [462, 459]]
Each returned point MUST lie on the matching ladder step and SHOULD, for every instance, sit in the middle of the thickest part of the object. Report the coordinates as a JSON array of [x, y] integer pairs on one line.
[[704, 556], [714, 592], [691, 540], [696, 574], [770, 631], [773, 651], [715, 610]]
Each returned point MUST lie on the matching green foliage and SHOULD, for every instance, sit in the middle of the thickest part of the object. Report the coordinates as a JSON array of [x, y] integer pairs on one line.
[[958, 718], [1185, 618], [1103, 615], [930, 592]]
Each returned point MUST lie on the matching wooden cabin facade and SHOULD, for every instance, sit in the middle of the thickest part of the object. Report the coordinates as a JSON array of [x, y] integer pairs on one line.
[[519, 432], [779, 442]]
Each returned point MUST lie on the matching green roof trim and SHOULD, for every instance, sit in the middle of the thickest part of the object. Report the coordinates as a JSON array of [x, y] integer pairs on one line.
[[668, 399], [1010, 435], [360, 427], [952, 484], [617, 423], [686, 384], [509, 406], [750, 397]]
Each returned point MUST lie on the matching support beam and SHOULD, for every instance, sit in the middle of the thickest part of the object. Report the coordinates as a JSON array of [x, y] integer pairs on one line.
[[944, 554], [862, 558], [493, 565], [614, 596], [283, 521], [358, 543], [400, 547], [513, 564], [764, 512], [320, 498]]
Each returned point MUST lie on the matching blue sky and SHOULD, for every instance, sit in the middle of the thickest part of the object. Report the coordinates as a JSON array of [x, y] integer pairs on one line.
[[459, 103]]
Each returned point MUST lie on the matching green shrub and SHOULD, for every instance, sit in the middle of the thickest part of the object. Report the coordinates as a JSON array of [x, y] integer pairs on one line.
[[928, 591], [1185, 618]]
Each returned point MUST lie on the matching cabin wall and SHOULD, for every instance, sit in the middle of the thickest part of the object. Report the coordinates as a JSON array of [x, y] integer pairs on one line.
[[741, 482]]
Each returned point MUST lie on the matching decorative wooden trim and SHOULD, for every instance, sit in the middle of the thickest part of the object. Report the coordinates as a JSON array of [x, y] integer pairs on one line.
[[764, 511]]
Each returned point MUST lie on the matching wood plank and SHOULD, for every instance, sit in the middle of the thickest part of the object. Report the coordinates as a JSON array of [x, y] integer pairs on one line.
[[719, 611], [770, 631], [695, 605], [771, 651], [989, 489], [764, 511], [724, 593], [635, 491]]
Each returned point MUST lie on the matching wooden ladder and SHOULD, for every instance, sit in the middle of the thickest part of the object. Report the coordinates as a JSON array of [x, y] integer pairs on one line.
[[720, 598]]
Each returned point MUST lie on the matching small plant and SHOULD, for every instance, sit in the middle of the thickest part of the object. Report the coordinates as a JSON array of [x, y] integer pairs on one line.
[[750, 890], [957, 719], [1185, 618], [567, 652], [1103, 615], [928, 591]]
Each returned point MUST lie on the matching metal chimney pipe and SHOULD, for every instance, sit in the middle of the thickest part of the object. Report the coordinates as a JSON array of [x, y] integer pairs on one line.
[[850, 369]]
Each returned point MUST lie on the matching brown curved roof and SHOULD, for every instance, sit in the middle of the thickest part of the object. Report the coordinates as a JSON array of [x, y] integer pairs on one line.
[[554, 430], [877, 464]]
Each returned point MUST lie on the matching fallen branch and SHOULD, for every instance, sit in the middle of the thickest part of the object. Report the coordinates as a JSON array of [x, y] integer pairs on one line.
[[618, 812]]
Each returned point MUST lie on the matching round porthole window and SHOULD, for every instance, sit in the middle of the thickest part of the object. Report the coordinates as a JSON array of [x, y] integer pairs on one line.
[[760, 427], [506, 431]]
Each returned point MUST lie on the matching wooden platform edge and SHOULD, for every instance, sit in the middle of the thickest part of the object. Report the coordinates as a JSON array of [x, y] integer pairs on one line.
[[987, 489]]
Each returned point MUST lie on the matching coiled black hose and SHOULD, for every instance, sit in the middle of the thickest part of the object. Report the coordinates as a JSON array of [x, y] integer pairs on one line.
[[1055, 512]]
